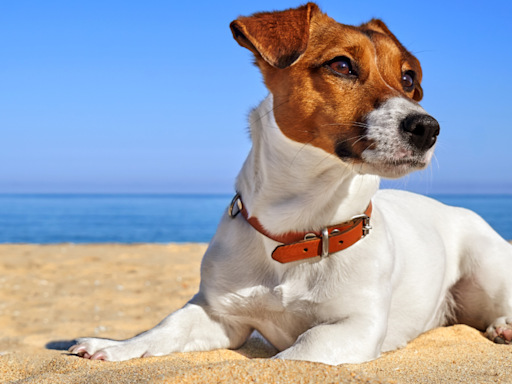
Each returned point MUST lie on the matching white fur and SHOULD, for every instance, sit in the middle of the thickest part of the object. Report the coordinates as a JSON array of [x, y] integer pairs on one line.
[[401, 280]]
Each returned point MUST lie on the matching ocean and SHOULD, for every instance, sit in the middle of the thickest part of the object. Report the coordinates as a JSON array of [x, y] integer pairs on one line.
[[95, 218]]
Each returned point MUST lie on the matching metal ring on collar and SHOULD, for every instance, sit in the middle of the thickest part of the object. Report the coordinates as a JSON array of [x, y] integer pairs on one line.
[[239, 205]]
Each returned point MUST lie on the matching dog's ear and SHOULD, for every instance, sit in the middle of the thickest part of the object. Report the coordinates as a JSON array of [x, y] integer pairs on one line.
[[379, 26], [280, 38]]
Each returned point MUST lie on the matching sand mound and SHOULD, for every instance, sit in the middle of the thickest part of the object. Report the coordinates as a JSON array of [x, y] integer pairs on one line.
[[50, 295]]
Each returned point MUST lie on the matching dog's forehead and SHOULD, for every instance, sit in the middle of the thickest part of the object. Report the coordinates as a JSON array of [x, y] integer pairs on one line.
[[329, 36]]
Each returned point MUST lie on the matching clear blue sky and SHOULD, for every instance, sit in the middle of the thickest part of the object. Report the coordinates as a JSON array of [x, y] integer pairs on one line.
[[153, 96]]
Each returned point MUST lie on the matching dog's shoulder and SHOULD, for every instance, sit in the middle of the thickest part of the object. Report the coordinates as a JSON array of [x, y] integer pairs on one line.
[[428, 216], [416, 203], [397, 200], [409, 201]]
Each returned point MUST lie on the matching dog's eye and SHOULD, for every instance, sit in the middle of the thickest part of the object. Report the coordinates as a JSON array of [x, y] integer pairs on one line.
[[408, 81], [342, 65]]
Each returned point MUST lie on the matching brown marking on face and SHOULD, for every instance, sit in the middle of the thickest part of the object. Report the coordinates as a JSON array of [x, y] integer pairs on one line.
[[312, 103], [410, 62]]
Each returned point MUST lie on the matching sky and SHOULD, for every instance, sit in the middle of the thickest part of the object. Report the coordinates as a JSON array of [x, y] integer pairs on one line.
[[153, 96]]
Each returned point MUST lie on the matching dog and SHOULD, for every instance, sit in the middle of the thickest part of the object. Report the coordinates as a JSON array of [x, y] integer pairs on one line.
[[310, 253]]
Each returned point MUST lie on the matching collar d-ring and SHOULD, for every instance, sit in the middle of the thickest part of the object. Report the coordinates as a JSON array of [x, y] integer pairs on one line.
[[238, 201]]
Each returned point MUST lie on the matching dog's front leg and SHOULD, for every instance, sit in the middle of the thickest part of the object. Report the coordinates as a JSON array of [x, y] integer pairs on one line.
[[348, 341], [191, 328]]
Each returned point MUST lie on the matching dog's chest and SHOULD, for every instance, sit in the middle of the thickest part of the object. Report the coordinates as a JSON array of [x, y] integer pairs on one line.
[[292, 296], [283, 310], [280, 313]]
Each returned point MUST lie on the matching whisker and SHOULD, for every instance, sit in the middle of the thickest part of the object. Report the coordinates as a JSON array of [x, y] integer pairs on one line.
[[297, 130], [351, 138], [369, 146], [356, 123], [431, 175], [301, 148], [437, 161], [350, 123], [361, 138], [325, 158], [425, 50], [273, 109]]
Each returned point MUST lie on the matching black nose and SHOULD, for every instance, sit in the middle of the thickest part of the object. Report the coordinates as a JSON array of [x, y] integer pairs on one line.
[[421, 130]]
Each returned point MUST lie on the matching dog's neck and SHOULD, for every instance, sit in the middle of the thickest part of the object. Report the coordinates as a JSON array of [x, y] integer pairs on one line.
[[290, 186]]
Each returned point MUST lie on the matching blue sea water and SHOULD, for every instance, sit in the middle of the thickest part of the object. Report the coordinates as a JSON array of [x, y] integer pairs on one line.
[[109, 218], [159, 218]]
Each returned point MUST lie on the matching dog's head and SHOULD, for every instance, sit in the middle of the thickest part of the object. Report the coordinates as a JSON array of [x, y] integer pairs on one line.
[[351, 91]]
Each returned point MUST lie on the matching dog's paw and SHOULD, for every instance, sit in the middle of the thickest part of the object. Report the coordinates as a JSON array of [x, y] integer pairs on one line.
[[108, 350], [500, 331]]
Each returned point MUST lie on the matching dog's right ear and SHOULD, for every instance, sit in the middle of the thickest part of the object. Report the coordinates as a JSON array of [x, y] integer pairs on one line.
[[280, 38]]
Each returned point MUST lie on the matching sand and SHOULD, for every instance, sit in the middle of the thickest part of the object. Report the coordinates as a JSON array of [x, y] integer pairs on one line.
[[50, 295]]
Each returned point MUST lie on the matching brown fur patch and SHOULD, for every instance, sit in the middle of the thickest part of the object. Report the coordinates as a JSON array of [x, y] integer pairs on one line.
[[411, 62]]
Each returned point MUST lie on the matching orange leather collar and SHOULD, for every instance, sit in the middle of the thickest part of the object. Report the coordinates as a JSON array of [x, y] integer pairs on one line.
[[304, 245]]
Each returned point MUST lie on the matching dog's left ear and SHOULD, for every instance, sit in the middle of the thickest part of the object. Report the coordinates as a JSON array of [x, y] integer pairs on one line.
[[379, 26], [280, 38]]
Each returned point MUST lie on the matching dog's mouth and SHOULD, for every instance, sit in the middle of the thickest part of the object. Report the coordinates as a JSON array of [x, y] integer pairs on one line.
[[395, 166], [388, 157], [408, 162], [404, 164]]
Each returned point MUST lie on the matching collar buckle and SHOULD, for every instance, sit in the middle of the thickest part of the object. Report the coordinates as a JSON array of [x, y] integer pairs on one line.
[[366, 223]]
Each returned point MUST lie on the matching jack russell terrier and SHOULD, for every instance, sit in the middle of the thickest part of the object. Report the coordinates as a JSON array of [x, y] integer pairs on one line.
[[310, 254]]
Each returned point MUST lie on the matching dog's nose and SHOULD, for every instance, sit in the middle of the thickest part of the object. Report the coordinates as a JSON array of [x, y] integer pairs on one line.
[[421, 130]]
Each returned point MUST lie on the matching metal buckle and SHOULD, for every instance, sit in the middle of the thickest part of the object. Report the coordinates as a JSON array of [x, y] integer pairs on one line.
[[239, 205], [366, 223]]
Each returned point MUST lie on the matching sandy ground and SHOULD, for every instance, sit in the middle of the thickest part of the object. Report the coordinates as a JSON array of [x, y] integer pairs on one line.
[[50, 295]]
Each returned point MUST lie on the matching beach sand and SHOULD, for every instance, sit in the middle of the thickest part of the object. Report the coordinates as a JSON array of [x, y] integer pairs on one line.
[[51, 294]]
